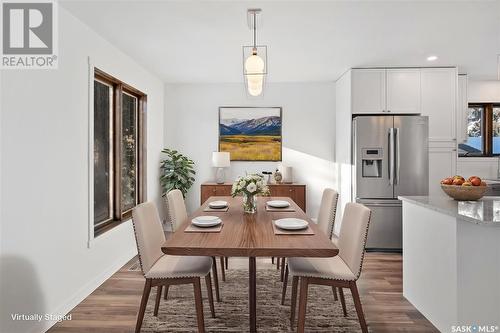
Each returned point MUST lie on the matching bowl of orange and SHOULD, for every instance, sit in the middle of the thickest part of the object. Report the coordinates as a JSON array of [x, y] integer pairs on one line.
[[462, 189]]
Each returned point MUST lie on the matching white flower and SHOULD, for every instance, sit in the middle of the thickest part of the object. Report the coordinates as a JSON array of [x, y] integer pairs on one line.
[[251, 188]]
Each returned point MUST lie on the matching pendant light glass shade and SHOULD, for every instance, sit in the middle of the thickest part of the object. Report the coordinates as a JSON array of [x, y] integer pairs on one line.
[[254, 69]]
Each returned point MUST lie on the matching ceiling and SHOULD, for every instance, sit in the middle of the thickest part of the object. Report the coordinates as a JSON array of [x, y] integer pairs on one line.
[[201, 41]]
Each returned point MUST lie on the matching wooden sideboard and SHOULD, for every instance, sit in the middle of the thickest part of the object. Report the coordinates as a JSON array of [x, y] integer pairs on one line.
[[297, 192]]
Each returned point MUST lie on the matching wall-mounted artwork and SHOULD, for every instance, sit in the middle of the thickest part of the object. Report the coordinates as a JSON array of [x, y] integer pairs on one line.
[[250, 133]]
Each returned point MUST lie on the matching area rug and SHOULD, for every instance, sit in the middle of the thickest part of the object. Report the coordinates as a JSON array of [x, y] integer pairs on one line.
[[177, 314]]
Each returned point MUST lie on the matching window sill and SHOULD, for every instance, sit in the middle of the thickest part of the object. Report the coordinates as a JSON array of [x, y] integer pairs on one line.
[[478, 158]]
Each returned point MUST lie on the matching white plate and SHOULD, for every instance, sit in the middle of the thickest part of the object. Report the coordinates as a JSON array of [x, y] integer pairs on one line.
[[217, 204], [278, 203], [291, 224], [206, 221]]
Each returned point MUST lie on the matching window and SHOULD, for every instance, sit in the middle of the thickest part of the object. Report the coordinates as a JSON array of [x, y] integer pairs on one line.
[[119, 150], [483, 131]]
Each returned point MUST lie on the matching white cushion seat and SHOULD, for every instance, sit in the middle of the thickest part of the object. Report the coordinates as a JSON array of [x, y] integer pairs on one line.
[[180, 267], [326, 268]]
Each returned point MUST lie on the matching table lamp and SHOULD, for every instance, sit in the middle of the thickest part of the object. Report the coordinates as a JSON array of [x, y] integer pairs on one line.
[[220, 160]]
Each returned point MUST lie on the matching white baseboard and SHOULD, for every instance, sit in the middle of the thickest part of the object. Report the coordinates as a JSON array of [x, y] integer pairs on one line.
[[85, 291]]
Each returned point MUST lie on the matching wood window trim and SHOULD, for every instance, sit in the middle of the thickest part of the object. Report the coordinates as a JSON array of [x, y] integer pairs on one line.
[[487, 129], [119, 87]]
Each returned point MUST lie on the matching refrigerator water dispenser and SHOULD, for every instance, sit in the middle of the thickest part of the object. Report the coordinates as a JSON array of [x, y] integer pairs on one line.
[[372, 162]]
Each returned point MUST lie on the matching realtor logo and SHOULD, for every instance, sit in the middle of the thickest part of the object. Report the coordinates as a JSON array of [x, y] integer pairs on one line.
[[28, 34]]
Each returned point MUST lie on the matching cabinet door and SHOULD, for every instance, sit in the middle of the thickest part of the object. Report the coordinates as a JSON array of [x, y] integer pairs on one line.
[[281, 191], [206, 192], [368, 91], [403, 90], [442, 164], [223, 190], [439, 98], [299, 196]]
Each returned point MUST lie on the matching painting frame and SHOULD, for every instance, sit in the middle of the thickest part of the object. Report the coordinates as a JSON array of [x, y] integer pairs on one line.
[[248, 109]]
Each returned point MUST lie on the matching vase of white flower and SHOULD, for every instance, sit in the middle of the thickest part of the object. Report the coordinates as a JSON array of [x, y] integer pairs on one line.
[[249, 186]]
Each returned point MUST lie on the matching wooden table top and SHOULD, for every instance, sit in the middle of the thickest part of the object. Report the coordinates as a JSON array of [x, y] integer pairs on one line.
[[249, 235]]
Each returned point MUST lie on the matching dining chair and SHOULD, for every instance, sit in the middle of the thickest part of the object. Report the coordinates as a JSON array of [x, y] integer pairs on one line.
[[341, 271], [164, 270], [325, 222], [178, 214]]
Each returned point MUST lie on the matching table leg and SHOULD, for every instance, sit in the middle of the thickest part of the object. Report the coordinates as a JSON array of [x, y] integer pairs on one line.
[[252, 293]]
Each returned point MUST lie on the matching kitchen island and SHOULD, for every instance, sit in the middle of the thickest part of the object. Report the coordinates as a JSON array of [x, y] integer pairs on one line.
[[451, 260]]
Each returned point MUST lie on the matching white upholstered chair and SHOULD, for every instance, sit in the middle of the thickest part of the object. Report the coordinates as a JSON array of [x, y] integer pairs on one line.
[[341, 271], [178, 214], [325, 221], [165, 270]]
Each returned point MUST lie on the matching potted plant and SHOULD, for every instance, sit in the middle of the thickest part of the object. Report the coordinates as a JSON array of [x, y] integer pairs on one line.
[[176, 172], [249, 186]]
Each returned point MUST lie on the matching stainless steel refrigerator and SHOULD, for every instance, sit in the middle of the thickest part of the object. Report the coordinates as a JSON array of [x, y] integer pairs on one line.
[[390, 158]]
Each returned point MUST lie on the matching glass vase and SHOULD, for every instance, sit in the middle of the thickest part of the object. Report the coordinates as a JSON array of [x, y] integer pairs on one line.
[[249, 203]]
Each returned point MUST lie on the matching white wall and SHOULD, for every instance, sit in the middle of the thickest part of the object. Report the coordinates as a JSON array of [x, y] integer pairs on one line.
[[484, 91], [46, 265], [308, 131]]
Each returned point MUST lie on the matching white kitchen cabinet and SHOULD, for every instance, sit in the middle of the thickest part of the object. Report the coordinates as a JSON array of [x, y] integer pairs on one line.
[[462, 109], [442, 164], [439, 98], [386, 91], [403, 90], [368, 91]]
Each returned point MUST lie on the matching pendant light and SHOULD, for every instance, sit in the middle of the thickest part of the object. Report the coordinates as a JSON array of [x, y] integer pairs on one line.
[[254, 58]]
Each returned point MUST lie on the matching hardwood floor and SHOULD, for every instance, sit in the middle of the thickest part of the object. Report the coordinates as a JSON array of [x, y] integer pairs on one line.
[[113, 307]]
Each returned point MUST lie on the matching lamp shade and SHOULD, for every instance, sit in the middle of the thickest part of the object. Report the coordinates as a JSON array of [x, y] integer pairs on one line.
[[221, 159]]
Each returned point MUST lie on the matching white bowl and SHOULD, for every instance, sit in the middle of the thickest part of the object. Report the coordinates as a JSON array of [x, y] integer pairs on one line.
[[218, 204], [278, 203], [291, 223], [206, 221]]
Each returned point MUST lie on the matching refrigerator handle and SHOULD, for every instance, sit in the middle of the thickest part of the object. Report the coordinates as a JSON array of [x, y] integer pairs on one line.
[[397, 155], [391, 156]]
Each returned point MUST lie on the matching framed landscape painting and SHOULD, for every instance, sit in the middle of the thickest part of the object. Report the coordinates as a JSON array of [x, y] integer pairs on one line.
[[250, 133]]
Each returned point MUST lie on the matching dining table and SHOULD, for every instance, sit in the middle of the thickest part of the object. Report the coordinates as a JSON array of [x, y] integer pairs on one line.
[[251, 236]]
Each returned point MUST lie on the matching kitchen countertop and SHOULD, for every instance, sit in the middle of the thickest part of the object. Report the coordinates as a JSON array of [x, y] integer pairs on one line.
[[485, 211]]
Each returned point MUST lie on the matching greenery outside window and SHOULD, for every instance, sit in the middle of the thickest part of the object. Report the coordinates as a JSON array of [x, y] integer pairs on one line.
[[119, 150], [483, 131]]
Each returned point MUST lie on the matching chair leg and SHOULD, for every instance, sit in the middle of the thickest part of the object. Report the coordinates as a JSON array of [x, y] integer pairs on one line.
[[199, 305], [166, 291], [277, 262], [335, 296], [285, 283], [295, 283], [157, 303], [216, 279], [272, 260], [222, 269], [227, 262], [208, 282], [282, 274], [342, 300], [301, 322], [359, 308], [142, 308]]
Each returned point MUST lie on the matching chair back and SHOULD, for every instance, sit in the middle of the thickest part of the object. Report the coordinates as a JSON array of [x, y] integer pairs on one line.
[[176, 208], [149, 234], [353, 233], [327, 211]]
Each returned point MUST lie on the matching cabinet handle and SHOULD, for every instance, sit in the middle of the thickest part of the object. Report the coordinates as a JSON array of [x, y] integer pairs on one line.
[[214, 190]]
